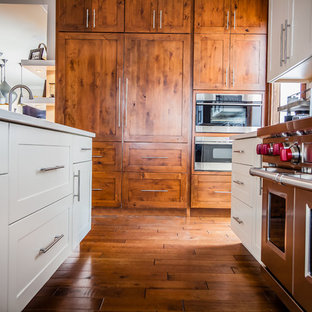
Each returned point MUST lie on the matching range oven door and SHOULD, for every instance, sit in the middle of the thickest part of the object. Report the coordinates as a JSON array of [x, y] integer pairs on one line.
[[277, 231], [213, 154], [303, 249]]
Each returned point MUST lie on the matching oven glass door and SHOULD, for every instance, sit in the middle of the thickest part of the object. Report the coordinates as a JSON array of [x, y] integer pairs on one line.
[[213, 156], [228, 115]]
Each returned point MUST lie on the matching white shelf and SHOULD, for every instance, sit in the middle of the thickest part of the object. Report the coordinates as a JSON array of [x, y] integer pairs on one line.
[[39, 102], [39, 67]]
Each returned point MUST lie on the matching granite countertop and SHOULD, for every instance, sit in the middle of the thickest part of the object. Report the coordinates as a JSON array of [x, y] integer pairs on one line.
[[40, 123], [247, 135]]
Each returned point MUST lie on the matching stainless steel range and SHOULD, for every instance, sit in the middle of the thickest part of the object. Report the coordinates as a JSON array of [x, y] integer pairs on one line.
[[287, 209]]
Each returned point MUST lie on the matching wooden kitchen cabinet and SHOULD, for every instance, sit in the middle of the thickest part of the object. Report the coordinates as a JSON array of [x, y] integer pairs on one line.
[[89, 75], [235, 16], [229, 62], [157, 87], [211, 191], [154, 190], [107, 156], [211, 61], [90, 15], [171, 16]]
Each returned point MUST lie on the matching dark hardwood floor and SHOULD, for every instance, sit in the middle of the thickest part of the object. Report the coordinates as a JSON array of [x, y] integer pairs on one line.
[[143, 263]]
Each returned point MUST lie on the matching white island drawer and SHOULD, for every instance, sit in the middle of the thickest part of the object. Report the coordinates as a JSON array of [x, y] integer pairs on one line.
[[82, 147], [38, 245], [244, 152], [40, 169], [4, 147]]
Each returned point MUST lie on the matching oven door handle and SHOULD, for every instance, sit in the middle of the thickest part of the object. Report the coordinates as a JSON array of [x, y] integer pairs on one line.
[[282, 178]]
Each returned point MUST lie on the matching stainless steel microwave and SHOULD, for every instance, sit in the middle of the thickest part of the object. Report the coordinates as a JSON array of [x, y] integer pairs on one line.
[[213, 154], [233, 113]]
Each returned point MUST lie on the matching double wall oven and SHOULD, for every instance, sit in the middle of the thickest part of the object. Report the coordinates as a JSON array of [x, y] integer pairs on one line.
[[287, 209]]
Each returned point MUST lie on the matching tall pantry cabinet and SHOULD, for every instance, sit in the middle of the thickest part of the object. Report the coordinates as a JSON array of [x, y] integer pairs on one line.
[[133, 91]]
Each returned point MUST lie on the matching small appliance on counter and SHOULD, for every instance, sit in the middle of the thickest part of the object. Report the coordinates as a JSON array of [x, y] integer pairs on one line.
[[287, 210], [299, 105]]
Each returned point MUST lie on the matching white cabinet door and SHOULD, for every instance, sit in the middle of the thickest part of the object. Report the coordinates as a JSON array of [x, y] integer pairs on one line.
[[4, 236], [82, 201], [4, 147]]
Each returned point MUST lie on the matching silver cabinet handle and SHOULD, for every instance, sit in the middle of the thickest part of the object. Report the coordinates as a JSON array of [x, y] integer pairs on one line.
[[97, 190], [233, 77], [227, 19], [238, 182], [95, 156], [239, 151], [87, 19], [51, 168], [160, 19], [285, 43], [222, 192], [126, 100], [154, 19], [78, 176], [154, 157], [226, 77], [119, 101], [234, 19], [55, 241], [238, 220], [156, 191], [93, 18], [282, 44], [84, 149]]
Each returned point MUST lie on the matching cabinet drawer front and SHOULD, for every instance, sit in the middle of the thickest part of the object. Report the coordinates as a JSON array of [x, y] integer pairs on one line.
[[244, 152], [244, 185], [106, 189], [153, 190], [211, 191], [241, 221], [82, 149], [40, 170], [4, 151], [155, 157], [107, 156], [38, 245]]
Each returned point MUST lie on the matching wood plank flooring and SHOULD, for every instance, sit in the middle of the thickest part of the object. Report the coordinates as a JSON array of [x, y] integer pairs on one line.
[[150, 263]]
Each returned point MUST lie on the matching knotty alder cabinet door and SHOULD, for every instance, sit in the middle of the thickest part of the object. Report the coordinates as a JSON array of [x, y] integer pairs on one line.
[[229, 62], [235, 16], [90, 15], [162, 16], [157, 88], [89, 73]]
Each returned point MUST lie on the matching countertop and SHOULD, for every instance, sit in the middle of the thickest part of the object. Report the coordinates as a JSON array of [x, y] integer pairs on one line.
[[247, 135], [40, 123]]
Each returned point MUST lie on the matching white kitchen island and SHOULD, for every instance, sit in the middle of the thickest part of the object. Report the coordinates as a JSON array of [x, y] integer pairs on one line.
[[45, 202]]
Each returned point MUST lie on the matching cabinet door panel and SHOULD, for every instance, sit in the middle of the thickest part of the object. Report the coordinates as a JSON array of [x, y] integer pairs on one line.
[[106, 189], [157, 88], [141, 16], [107, 156], [154, 190], [72, 15], [211, 61], [90, 78], [108, 15], [249, 16], [174, 16], [212, 16], [248, 62]]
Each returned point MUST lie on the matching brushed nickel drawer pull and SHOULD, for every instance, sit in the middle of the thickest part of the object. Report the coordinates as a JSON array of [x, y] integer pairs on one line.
[[95, 156], [238, 220], [97, 190], [234, 19], [160, 19], [154, 19], [55, 241], [126, 101], [238, 182], [156, 191], [84, 149], [154, 157], [87, 19], [239, 151], [77, 176], [119, 101], [227, 19], [93, 18], [222, 192], [51, 168]]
